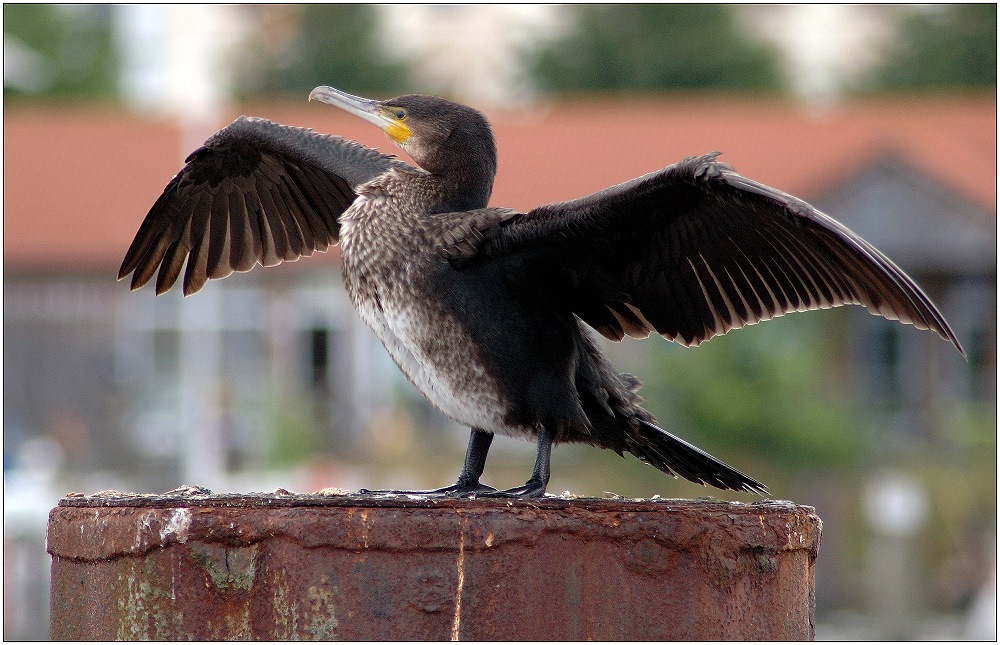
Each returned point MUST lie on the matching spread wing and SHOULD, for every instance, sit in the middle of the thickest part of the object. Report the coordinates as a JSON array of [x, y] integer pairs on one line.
[[695, 250], [256, 193]]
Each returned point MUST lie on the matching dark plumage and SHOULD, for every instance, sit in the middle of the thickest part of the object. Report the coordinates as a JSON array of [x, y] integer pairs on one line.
[[488, 311]]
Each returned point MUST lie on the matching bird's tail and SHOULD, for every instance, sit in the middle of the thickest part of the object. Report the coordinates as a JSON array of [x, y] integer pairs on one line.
[[675, 456]]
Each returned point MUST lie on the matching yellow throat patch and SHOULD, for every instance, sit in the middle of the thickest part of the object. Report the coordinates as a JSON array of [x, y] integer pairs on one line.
[[398, 131]]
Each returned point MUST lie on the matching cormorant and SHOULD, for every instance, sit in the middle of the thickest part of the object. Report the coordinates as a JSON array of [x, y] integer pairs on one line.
[[488, 311]]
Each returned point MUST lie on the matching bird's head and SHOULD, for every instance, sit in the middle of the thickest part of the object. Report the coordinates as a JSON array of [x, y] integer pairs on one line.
[[442, 136]]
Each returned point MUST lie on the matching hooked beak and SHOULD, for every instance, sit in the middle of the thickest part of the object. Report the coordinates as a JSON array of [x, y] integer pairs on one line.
[[374, 112]]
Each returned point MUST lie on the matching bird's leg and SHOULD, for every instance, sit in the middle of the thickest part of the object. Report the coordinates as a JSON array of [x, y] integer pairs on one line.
[[472, 470], [535, 486], [468, 479]]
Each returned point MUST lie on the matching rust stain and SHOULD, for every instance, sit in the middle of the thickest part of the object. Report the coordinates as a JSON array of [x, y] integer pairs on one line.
[[364, 529], [456, 621]]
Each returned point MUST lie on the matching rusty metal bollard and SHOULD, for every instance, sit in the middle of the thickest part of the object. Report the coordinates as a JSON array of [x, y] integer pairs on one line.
[[352, 567]]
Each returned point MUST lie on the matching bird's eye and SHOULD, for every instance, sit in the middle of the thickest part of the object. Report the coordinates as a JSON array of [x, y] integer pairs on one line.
[[400, 114]]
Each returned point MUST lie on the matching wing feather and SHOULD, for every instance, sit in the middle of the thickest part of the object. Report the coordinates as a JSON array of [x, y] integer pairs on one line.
[[217, 263], [696, 250], [255, 193], [245, 245], [196, 270]]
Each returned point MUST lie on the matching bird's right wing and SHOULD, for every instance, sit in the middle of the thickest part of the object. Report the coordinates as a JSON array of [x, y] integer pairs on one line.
[[695, 250], [255, 193]]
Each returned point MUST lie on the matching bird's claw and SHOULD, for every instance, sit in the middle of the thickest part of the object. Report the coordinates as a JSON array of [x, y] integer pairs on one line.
[[455, 490], [530, 490]]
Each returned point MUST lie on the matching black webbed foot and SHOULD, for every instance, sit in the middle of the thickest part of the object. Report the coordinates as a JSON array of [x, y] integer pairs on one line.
[[464, 490], [455, 490], [532, 489]]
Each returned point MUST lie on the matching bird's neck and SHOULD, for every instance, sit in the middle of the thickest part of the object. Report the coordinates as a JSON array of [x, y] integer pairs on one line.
[[466, 185], [464, 166]]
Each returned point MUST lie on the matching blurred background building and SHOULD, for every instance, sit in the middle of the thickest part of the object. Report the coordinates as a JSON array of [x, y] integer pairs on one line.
[[882, 116]]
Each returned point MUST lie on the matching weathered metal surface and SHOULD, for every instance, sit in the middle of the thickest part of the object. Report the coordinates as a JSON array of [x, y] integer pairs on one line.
[[351, 567]]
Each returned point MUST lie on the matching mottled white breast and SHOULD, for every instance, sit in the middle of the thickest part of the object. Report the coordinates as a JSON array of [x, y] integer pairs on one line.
[[444, 373], [388, 248]]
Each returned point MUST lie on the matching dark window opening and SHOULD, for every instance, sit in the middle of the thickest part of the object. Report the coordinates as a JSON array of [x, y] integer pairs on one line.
[[319, 352]]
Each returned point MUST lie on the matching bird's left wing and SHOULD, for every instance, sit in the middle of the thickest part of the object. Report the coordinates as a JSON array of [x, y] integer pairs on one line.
[[695, 250], [255, 193]]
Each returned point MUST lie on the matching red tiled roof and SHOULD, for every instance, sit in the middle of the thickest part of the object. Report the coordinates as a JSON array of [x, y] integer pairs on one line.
[[77, 182]]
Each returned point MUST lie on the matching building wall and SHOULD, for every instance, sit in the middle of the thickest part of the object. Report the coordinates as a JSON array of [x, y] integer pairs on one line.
[[947, 243], [173, 388]]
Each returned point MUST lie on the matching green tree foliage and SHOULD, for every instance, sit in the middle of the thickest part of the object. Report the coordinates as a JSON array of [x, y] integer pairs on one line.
[[71, 51], [766, 390], [333, 44], [945, 46], [656, 47]]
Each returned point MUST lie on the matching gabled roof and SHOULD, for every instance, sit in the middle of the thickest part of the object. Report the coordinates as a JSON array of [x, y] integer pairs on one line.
[[77, 182], [898, 208]]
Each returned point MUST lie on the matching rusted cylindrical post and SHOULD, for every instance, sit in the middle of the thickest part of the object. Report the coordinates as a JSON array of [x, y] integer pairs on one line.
[[352, 567]]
